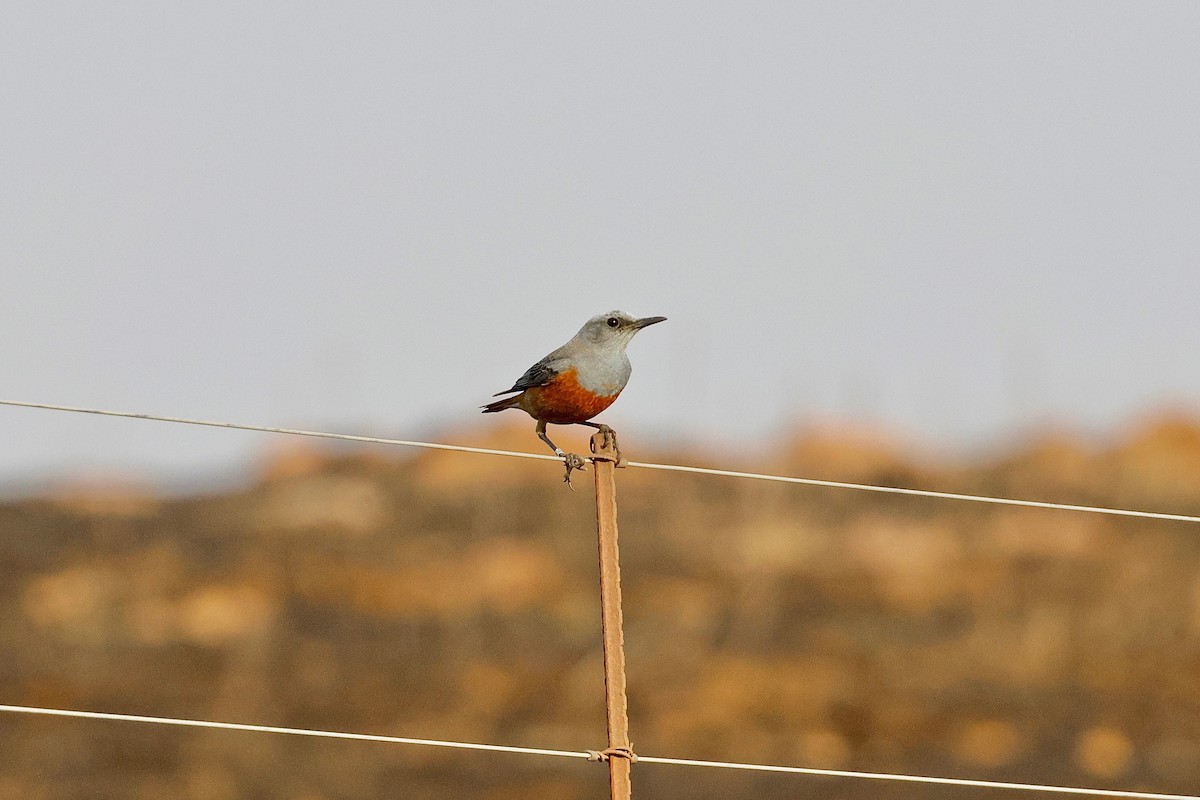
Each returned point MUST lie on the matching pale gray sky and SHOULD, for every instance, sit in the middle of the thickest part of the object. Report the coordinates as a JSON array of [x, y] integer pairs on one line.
[[953, 219]]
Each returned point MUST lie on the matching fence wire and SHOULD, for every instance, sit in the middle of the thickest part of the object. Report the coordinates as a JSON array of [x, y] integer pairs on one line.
[[346, 437]]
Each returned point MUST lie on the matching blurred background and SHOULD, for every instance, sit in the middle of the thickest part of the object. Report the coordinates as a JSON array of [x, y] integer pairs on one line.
[[934, 245]]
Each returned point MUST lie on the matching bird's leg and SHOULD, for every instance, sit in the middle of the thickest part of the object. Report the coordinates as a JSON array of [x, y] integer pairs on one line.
[[610, 439], [570, 460]]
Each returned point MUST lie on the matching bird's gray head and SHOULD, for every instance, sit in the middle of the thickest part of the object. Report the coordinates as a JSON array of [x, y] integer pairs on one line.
[[613, 329]]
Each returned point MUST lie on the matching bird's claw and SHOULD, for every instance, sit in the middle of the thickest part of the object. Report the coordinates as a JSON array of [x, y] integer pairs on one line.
[[571, 462], [610, 443]]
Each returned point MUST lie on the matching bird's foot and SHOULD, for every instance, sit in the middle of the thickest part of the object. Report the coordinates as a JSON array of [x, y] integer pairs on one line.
[[571, 462], [610, 443]]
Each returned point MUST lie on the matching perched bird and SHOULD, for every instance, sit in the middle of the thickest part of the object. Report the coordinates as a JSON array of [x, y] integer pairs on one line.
[[578, 380]]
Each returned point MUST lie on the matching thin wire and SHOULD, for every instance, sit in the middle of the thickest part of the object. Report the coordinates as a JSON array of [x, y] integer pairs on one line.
[[237, 726], [974, 498], [537, 751], [885, 776], [344, 437]]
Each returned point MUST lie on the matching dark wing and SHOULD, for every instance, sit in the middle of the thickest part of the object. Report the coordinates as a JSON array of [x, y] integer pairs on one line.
[[539, 374]]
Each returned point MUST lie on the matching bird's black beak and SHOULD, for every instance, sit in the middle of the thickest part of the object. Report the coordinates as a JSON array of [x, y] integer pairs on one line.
[[646, 322]]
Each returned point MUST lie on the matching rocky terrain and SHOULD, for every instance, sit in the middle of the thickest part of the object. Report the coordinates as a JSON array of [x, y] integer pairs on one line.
[[453, 596]]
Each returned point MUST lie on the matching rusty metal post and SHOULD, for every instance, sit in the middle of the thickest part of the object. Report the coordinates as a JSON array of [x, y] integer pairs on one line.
[[604, 462]]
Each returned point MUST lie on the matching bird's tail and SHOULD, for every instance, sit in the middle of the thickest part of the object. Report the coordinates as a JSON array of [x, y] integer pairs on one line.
[[500, 405]]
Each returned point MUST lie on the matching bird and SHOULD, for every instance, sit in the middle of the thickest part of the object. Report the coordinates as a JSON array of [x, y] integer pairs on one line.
[[577, 381]]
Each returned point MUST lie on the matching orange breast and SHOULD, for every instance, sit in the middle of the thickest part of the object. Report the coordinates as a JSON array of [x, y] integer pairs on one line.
[[563, 401]]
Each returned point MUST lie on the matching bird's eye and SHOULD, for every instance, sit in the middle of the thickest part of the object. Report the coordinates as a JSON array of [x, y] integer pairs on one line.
[[613, 322]]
